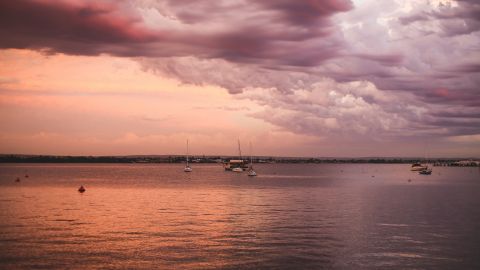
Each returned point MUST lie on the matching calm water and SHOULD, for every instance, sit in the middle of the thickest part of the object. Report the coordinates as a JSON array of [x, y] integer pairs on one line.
[[289, 217]]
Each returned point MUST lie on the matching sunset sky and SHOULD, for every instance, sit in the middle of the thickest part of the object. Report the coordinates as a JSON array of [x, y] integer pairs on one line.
[[294, 78]]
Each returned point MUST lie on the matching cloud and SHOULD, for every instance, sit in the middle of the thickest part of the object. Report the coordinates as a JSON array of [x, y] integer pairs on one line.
[[334, 109], [384, 59], [466, 139], [74, 27], [267, 32], [465, 68], [232, 76], [8, 80], [390, 68], [452, 18], [306, 13], [224, 108]]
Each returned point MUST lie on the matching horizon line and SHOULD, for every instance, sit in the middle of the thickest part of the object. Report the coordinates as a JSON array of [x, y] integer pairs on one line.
[[258, 156]]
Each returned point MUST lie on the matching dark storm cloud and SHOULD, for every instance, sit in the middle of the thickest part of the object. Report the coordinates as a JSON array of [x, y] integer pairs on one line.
[[87, 28], [306, 12], [268, 32], [466, 68], [388, 60], [414, 18], [454, 20], [301, 12]]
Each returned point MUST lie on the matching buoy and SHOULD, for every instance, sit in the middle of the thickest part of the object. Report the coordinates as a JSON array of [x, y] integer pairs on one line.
[[26, 175], [18, 179], [409, 180], [81, 189]]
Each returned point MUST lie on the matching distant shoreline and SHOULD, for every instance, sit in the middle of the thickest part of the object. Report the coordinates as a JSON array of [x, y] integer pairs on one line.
[[12, 158]]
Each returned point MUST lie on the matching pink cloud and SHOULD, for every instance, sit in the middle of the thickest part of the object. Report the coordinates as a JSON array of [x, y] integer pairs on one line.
[[273, 32], [441, 92], [67, 26]]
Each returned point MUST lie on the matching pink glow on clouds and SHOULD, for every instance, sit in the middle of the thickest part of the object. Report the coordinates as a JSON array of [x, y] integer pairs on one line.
[[442, 92], [307, 77], [48, 24]]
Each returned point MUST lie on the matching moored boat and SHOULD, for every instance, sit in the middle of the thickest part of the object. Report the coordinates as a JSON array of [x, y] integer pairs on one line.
[[235, 163], [187, 167], [251, 171], [426, 171], [418, 167], [237, 169]]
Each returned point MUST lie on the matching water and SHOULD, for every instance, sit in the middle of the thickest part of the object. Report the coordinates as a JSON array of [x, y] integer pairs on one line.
[[289, 217]]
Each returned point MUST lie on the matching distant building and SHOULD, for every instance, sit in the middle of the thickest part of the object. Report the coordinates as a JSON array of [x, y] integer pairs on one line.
[[465, 163]]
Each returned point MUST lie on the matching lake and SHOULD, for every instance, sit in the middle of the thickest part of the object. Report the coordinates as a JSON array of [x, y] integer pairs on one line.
[[291, 216]]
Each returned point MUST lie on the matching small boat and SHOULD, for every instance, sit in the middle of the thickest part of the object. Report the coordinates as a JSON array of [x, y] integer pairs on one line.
[[237, 169], [81, 189], [187, 167], [251, 172], [426, 171], [418, 167], [233, 164]]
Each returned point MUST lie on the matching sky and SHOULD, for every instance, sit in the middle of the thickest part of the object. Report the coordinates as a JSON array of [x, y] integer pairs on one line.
[[328, 78]]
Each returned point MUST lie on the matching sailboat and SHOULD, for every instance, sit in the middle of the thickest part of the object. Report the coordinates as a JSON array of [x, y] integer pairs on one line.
[[236, 165], [417, 166], [426, 170], [251, 172], [187, 167]]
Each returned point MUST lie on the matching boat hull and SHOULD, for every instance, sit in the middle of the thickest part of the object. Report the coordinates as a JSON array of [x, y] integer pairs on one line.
[[232, 164], [418, 168], [425, 172]]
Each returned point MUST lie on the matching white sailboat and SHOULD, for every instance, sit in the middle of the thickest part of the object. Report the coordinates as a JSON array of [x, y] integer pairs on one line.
[[251, 172], [187, 167], [426, 170], [236, 165], [237, 169], [417, 166]]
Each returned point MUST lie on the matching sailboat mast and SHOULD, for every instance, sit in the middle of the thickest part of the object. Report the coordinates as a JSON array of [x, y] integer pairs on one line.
[[426, 159], [251, 155], [239, 149], [187, 152]]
